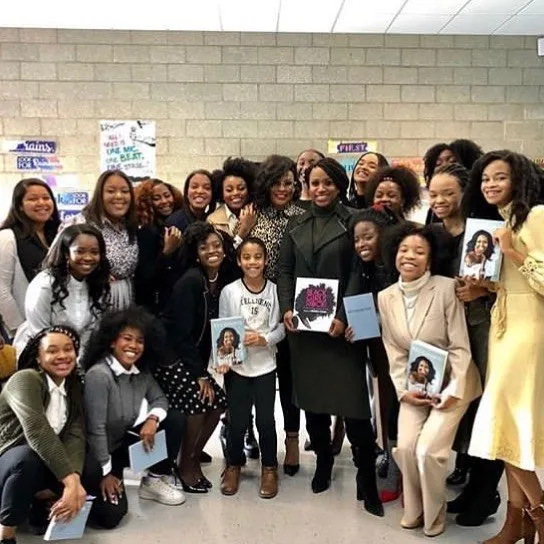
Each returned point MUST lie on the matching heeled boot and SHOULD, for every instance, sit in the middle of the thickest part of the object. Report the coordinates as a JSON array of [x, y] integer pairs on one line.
[[291, 464], [517, 525], [367, 488], [537, 516], [323, 470]]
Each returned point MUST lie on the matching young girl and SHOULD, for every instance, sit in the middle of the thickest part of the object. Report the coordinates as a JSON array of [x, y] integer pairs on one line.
[[73, 289], [255, 298]]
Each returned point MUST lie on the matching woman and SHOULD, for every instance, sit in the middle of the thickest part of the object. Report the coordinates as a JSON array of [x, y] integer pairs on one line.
[[480, 498], [511, 184], [396, 188], [72, 289], [305, 161], [187, 384], [25, 237], [479, 253], [124, 404], [365, 167], [434, 315], [156, 201], [112, 210], [318, 245], [421, 374], [236, 214], [42, 444], [198, 200]]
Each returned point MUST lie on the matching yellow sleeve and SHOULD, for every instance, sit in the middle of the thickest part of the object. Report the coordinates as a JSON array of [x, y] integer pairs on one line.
[[532, 235], [8, 364]]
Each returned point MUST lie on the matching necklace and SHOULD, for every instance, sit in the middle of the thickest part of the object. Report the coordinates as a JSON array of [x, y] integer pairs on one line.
[[214, 279]]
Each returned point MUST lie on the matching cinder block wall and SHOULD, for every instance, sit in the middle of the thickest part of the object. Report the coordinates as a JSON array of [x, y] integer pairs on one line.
[[219, 94]]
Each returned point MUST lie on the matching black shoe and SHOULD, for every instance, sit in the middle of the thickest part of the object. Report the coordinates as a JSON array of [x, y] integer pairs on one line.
[[457, 477], [38, 517], [323, 472], [199, 487], [479, 511], [251, 447], [461, 503], [367, 488], [205, 458], [205, 482], [8, 541]]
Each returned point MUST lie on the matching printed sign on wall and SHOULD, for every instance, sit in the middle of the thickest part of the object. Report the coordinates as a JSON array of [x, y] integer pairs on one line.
[[128, 146], [41, 147], [71, 202], [43, 163], [342, 146]]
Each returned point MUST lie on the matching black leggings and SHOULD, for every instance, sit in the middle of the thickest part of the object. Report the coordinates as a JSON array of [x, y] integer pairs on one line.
[[291, 412]]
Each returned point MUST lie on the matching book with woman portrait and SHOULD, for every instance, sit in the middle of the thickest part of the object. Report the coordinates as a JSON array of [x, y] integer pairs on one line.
[[481, 258], [228, 341], [426, 368]]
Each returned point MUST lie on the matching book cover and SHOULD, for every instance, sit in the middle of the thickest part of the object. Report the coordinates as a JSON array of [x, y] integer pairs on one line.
[[72, 529], [228, 341], [481, 257], [426, 368], [316, 301], [362, 316], [141, 459]]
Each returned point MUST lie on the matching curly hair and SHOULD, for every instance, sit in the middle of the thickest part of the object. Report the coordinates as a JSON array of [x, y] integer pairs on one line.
[[94, 211], [380, 216], [240, 168], [221, 339], [144, 200], [415, 364], [17, 218], [457, 171], [110, 327], [429, 160], [301, 300], [527, 188], [471, 244], [57, 264], [405, 178], [439, 240], [382, 163], [272, 169]]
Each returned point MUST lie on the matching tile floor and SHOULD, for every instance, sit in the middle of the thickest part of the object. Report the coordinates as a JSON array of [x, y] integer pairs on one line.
[[295, 516]]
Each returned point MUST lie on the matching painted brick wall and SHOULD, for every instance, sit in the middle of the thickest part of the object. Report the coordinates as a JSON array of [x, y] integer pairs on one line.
[[219, 94]]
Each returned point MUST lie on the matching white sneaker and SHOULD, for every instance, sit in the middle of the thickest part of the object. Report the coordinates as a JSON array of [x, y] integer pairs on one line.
[[155, 489], [172, 481]]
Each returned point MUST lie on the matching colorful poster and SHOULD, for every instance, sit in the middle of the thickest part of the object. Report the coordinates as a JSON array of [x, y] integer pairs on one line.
[[43, 163], [343, 146], [41, 147], [128, 146], [70, 202]]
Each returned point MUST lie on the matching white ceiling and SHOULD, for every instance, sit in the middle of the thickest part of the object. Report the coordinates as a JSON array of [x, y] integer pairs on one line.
[[341, 16]]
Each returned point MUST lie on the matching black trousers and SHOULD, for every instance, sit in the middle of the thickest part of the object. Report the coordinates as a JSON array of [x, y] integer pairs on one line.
[[242, 394], [291, 412]]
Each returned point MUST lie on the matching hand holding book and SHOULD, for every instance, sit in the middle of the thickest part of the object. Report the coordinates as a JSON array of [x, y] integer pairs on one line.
[[71, 501]]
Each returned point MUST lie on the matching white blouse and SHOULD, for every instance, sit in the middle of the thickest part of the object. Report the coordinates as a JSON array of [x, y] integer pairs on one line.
[[56, 412]]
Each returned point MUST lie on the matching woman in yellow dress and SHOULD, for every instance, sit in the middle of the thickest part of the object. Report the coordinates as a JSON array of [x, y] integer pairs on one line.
[[509, 424]]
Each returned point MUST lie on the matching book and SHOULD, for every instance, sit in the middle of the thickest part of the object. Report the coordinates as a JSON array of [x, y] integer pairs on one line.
[[481, 257], [68, 530], [426, 368], [228, 341], [141, 459], [316, 301], [362, 316]]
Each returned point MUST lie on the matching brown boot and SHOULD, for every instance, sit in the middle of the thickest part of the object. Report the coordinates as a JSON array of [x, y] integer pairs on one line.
[[230, 480], [291, 464], [269, 483], [537, 516], [516, 526]]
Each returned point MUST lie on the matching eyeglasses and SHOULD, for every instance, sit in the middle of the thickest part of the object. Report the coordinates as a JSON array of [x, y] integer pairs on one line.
[[284, 184]]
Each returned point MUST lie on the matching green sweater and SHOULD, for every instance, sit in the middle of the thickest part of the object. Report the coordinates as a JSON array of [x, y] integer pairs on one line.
[[23, 402]]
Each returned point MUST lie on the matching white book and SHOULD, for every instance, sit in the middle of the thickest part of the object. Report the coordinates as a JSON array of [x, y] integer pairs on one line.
[[316, 302], [73, 529], [426, 368]]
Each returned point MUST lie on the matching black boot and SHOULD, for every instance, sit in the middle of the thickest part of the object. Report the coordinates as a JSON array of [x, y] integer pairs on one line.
[[323, 471], [367, 488], [459, 476]]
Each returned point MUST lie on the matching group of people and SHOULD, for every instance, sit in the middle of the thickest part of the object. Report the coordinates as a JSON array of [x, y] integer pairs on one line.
[[110, 316]]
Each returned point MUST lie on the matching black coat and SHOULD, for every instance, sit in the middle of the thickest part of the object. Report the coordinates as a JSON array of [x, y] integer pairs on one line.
[[329, 374]]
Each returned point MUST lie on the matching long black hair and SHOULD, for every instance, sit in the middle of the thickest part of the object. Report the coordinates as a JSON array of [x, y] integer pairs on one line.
[[110, 327], [382, 163], [213, 185], [336, 173], [17, 218], [471, 244], [527, 188], [221, 339], [414, 365], [57, 263]]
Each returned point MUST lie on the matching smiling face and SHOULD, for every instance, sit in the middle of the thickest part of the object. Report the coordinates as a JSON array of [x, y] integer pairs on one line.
[[306, 160], [116, 198], [423, 368], [481, 245], [446, 157], [83, 256], [199, 193], [389, 194], [57, 356], [235, 193], [413, 257], [228, 339], [37, 204], [497, 183], [445, 196], [252, 261], [128, 347], [367, 165], [322, 189], [211, 253], [281, 193], [162, 200], [367, 241]]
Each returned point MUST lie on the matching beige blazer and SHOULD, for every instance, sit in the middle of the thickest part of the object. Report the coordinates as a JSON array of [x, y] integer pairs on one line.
[[220, 220], [439, 319]]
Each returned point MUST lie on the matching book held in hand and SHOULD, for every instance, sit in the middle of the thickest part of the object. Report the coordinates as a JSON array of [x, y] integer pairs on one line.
[[228, 341], [481, 257], [362, 316], [141, 459], [316, 301], [426, 368], [73, 529]]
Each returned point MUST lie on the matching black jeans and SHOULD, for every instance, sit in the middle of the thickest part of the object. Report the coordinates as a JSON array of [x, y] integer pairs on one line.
[[242, 393], [291, 412], [107, 515]]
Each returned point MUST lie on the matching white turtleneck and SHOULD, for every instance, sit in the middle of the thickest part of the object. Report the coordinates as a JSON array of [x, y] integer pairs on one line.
[[410, 292]]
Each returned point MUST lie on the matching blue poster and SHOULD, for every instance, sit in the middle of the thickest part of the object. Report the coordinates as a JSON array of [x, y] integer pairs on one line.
[[42, 147], [37, 162]]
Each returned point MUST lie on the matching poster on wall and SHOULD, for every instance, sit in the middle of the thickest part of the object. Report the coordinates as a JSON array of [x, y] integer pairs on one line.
[[347, 152], [128, 146], [41, 147], [70, 202], [41, 163]]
